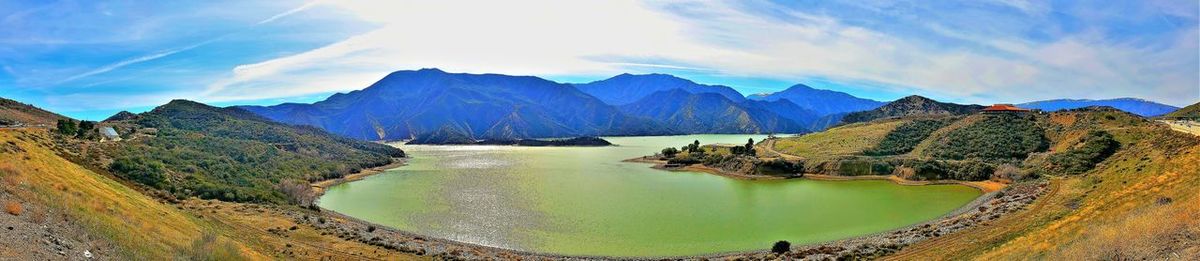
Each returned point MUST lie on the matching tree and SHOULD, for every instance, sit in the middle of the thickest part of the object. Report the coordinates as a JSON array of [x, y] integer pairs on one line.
[[67, 127], [737, 150], [695, 146], [781, 247], [750, 147], [670, 152], [84, 128]]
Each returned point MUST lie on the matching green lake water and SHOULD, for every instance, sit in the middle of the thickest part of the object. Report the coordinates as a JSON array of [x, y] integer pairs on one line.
[[585, 201]]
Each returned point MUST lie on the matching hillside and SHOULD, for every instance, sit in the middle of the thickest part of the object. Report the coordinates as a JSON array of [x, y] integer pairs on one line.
[[1133, 105], [911, 106], [233, 155], [708, 113], [629, 88], [485, 106], [1190, 112], [58, 210], [851, 139], [12, 112], [1138, 203], [823, 102]]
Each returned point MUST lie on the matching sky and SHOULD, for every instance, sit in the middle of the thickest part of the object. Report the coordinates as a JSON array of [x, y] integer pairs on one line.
[[91, 59]]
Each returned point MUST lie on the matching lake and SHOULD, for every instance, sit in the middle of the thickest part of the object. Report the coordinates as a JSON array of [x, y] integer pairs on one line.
[[585, 201]]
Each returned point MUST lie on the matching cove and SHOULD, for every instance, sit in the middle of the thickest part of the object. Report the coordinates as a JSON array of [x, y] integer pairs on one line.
[[585, 201]]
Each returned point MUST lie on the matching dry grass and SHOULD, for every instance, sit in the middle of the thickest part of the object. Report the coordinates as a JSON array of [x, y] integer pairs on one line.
[[145, 229], [13, 208], [845, 140], [1114, 212], [141, 227], [1159, 232]]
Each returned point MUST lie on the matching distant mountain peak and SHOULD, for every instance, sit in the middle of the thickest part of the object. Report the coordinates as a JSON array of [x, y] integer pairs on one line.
[[628, 88], [1137, 106], [910, 106], [120, 116], [822, 102]]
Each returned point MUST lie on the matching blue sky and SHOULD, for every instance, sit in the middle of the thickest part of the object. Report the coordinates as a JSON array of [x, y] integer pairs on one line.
[[90, 59]]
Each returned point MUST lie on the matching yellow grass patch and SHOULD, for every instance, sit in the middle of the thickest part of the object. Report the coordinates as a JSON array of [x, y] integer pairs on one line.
[[851, 139]]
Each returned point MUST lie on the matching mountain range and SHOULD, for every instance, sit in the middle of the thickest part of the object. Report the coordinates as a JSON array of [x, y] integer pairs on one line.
[[406, 104], [713, 113], [492, 106], [1137, 106], [460, 106]]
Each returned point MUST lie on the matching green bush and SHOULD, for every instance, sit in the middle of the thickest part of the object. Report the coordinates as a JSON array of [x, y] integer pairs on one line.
[[906, 136], [1091, 150], [780, 167], [1002, 137], [954, 170], [148, 172]]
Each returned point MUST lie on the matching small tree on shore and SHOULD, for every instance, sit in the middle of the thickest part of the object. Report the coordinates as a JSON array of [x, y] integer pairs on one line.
[[781, 247], [750, 147]]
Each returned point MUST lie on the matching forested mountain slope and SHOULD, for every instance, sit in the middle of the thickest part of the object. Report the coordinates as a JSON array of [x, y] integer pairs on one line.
[[191, 149], [482, 106]]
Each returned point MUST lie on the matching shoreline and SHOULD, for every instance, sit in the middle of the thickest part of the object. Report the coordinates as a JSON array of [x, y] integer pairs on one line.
[[319, 187], [986, 186]]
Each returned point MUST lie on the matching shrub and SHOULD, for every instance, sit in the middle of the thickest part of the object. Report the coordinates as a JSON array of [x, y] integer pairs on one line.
[[297, 192], [781, 247], [993, 138], [780, 166], [13, 207], [1009, 171], [150, 173], [956, 170], [1091, 150], [906, 136], [670, 152]]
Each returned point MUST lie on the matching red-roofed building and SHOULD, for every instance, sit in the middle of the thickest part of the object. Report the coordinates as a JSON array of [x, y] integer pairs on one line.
[[1004, 108]]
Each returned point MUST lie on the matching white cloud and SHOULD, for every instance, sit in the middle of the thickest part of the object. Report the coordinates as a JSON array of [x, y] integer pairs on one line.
[[563, 38]]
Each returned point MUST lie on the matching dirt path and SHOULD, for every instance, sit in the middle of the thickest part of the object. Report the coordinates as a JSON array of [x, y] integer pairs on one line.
[[1190, 127], [769, 146], [935, 248], [320, 186]]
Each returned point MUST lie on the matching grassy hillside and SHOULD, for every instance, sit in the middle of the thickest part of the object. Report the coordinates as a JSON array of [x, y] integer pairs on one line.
[[141, 227], [906, 136], [991, 138], [120, 222], [233, 155], [1191, 112], [1140, 203], [13, 111], [850, 139]]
